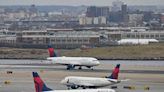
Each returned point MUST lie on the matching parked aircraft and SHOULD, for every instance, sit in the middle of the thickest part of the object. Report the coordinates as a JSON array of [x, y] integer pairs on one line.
[[72, 62], [92, 82], [41, 87]]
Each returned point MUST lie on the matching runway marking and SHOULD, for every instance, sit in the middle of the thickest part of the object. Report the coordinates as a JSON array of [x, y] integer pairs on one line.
[[137, 86], [10, 66], [30, 81], [3, 89]]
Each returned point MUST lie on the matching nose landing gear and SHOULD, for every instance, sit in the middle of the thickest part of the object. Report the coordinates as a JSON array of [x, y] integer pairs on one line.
[[80, 68]]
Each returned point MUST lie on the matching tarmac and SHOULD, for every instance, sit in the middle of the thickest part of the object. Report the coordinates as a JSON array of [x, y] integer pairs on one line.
[[21, 79]]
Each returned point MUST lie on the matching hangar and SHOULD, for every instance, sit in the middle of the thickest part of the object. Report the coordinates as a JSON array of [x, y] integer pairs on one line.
[[137, 41]]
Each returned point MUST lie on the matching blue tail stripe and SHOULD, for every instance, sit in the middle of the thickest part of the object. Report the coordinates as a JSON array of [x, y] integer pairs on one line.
[[55, 55], [46, 88], [35, 74], [118, 66], [49, 46], [37, 86]]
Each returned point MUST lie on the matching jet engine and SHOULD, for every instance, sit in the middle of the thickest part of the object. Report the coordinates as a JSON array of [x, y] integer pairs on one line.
[[74, 86], [70, 66]]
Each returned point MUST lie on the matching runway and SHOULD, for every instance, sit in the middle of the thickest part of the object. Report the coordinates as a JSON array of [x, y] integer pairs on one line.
[[22, 81], [27, 85], [63, 68], [108, 62]]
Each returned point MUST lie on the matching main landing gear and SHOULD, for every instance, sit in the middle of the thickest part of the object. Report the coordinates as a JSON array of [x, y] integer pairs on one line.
[[84, 87], [80, 68], [91, 68], [68, 87]]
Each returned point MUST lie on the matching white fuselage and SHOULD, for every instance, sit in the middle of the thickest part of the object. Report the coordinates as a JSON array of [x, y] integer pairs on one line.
[[88, 81], [82, 61], [89, 90]]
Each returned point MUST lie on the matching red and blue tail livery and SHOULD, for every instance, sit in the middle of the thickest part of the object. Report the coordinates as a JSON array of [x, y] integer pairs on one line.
[[39, 84], [115, 73], [51, 51]]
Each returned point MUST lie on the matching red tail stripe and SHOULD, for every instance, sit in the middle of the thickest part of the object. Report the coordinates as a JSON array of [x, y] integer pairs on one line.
[[40, 82], [51, 52], [115, 74]]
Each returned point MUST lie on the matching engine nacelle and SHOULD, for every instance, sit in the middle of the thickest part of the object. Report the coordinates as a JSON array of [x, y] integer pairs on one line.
[[88, 66], [92, 87], [74, 86], [71, 66]]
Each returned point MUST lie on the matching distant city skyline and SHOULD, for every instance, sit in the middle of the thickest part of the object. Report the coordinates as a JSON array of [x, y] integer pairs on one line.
[[79, 2]]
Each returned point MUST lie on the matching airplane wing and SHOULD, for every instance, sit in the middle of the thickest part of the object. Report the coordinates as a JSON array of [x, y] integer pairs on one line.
[[113, 81], [75, 63]]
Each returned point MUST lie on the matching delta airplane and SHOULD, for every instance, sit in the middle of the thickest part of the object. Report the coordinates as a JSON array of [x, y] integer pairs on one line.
[[91, 82], [41, 87], [72, 62]]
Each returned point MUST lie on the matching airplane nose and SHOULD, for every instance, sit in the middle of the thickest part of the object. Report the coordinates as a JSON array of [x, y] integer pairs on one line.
[[113, 91], [97, 62], [62, 81]]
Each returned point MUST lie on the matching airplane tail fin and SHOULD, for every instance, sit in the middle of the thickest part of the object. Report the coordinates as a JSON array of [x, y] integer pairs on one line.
[[39, 84], [51, 51], [115, 73]]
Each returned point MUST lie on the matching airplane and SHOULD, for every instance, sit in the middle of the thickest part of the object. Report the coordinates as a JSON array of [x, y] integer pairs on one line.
[[92, 82], [41, 87], [72, 62]]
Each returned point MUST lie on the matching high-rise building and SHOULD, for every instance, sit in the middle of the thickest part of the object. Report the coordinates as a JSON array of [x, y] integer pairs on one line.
[[102, 11], [82, 8], [136, 17], [8, 10], [2, 9], [94, 11], [124, 9], [21, 9], [117, 4], [162, 18], [82, 21], [91, 11], [17, 15], [126, 18], [116, 17], [33, 9], [1, 20]]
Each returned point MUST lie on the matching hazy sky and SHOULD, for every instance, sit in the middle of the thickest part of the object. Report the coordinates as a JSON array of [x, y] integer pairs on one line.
[[79, 2]]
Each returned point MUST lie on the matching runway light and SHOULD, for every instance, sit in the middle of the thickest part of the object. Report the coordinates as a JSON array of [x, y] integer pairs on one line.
[[104, 77], [41, 71], [126, 87], [147, 88], [7, 82], [8, 72], [113, 87], [132, 88]]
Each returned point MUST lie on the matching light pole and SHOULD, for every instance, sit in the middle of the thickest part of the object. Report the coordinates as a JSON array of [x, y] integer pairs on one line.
[[138, 37]]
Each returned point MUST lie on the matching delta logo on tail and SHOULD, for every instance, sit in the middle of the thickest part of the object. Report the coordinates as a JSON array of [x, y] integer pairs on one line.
[[51, 51], [115, 73], [39, 84]]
